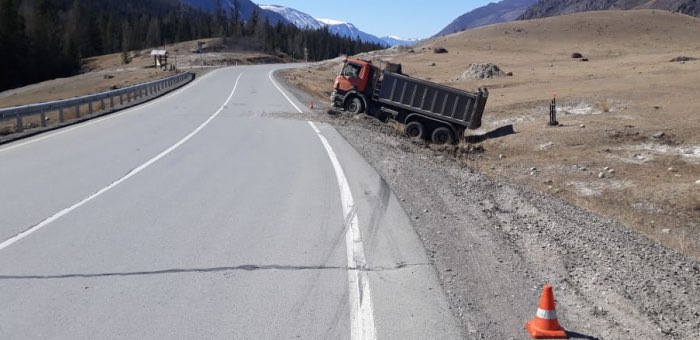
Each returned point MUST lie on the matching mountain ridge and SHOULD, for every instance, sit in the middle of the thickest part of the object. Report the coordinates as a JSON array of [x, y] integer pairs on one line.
[[493, 13], [548, 8]]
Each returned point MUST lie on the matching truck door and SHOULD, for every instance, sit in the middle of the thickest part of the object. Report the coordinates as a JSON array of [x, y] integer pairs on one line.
[[350, 77]]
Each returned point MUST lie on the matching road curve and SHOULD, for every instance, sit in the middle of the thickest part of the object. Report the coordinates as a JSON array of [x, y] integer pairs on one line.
[[202, 215]]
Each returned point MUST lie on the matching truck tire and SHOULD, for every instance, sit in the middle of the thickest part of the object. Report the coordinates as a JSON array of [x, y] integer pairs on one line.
[[415, 130], [354, 105], [443, 135]]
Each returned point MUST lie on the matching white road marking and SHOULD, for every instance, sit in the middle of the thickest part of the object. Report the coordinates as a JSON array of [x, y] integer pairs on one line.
[[102, 119], [269, 75], [131, 173], [361, 309]]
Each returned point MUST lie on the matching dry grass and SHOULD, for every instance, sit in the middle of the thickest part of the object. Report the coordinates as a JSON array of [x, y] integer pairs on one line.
[[622, 97]]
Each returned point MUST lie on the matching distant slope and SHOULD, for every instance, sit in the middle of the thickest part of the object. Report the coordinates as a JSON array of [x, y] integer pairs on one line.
[[346, 29], [398, 41], [493, 13], [548, 8]]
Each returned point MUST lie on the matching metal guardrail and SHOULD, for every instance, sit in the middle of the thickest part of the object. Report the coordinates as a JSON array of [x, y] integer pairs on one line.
[[104, 100]]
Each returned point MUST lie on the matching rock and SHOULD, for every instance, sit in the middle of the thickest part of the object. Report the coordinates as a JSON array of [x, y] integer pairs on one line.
[[682, 59], [501, 156], [666, 231], [611, 171], [606, 168], [582, 126], [509, 74], [584, 59], [432, 64], [697, 182], [658, 134], [533, 169], [601, 175], [482, 71], [672, 169], [576, 55], [440, 50]]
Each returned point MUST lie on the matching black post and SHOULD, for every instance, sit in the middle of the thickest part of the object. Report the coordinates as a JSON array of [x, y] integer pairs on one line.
[[553, 113]]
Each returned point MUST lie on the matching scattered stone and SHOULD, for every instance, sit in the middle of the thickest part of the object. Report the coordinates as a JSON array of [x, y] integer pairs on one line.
[[697, 182], [548, 182], [501, 156], [533, 169], [682, 59], [482, 71], [107, 76], [582, 126], [666, 231], [611, 171], [672, 169], [440, 50], [658, 134], [509, 74], [576, 55], [601, 175], [584, 59]]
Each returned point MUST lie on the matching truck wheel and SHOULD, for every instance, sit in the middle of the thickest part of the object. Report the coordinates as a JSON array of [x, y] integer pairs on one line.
[[415, 130], [354, 105], [443, 135]]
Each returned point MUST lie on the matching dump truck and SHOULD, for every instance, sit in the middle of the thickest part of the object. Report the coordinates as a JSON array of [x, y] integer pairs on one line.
[[428, 110]]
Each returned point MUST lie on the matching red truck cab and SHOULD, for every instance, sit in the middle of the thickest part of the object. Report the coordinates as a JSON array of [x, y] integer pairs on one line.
[[353, 84]]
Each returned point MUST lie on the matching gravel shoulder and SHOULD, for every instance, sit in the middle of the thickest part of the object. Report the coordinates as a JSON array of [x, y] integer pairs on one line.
[[495, 244]]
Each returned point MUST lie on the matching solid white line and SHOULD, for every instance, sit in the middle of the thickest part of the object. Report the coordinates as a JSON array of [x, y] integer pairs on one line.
[[107, 117], [131, 173], [361, 309], [269, 75]]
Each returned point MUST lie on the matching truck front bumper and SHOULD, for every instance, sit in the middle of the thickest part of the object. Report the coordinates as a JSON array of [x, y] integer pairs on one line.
[[336, 99]]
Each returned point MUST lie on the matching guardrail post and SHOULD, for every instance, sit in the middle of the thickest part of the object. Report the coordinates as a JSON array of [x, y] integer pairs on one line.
[[77, 111], [61, 117], [121, 99], [111, 101], [90, 107], [43, 119], [102, 103], [20, 125]]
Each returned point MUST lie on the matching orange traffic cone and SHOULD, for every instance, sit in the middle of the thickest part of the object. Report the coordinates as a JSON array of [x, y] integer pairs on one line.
[[545, 324]]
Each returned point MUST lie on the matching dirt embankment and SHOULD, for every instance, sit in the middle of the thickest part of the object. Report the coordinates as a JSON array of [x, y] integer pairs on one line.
[[107, 72]]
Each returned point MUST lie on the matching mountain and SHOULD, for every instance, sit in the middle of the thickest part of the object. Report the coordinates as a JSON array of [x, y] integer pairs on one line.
[[493, 13], [548, 8], [393, 40], [298, 18], [348, 30], [245, 8]]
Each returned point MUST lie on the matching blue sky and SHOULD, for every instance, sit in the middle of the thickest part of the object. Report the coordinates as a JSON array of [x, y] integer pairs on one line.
[[404, 18]]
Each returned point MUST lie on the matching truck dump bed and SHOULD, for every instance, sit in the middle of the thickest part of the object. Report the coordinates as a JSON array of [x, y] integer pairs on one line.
[[445, 103]]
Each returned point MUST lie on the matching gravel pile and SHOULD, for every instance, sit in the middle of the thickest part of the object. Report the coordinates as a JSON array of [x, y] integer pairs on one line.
[[483, 71]]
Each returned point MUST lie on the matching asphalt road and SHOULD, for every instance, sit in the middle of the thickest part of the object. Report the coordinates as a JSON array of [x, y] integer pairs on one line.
[[202, 215]]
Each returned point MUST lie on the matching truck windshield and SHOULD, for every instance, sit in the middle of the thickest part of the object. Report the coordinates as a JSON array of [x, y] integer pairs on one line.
[[351, 70]]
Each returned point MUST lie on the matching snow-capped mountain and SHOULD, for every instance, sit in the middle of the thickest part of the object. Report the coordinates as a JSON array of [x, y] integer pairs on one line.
[[245, 8], [346, 29], [393, 40], [298, 18]]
